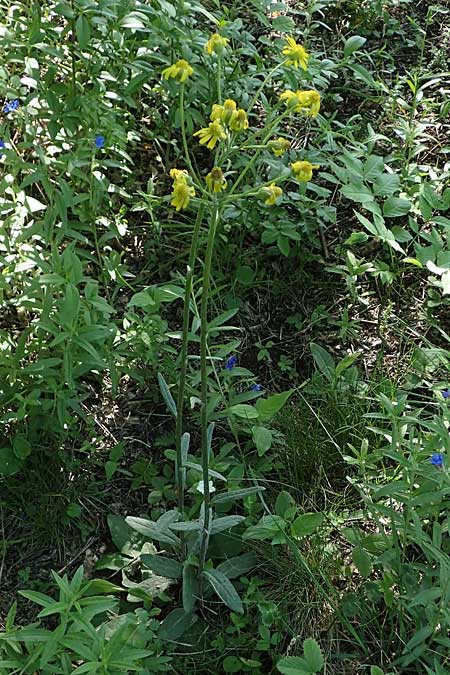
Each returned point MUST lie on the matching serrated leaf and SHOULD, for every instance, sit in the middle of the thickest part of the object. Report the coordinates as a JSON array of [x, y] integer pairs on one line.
[[394, 207], [362, 561], [224, 589]]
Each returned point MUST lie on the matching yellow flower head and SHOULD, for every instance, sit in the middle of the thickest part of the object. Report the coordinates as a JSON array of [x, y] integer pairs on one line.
[[215, 180], [229, 110], [307, 102], [180, 71], [296, 54], [181, 194], [180, 175], [216, 44], [239, 121], [303, 170], [271, 192], [216, 112], [211, 134], [279, 146]]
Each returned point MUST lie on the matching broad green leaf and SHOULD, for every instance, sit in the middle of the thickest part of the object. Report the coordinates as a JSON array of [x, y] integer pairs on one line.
[[294, 665], [357, 192], [238, 565], [262, 438], [175, 624], [225, 523], [362, 561], [148, 529], [395, 207], [83, 31], [165, 567], [283, 502], [267, 527], [224, 589], [313, 655], [386, 184], [324, 361], [306, 524], [245, 275], [269, 407], [9, 464], [353, 43], [246, 412]]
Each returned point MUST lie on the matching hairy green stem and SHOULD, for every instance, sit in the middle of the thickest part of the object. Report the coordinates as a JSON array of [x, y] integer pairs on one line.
[[184, 355], [204, 380]]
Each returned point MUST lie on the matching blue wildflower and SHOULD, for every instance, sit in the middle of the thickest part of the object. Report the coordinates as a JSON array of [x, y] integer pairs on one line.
[[99, 141], [231, 362], [2, 145], [437, 459], [256, 387], [10, 106], [446, 393]]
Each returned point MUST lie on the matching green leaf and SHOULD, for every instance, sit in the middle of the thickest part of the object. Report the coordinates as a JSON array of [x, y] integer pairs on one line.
[[357, 192], [148, 529], [386, 184], [224, 589], [238, 565], [22, 447], [175, 624], [283, 502], [353, 44], [121, 533], [269, 407], [245, 275], [247, 412], [284, 24], [165, 567], [324, 360], [362, 561], [167, 396], [83, 31], [9, 464], [293, 665], [225, 523], [190, 588], [374, 670], [262, 439], [395, 207], [306, 524], [233, 495], [313, 655], [267, 528], [346, 362]]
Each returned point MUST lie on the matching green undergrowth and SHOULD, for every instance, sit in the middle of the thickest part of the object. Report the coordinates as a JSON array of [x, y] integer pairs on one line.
[[224, 337]]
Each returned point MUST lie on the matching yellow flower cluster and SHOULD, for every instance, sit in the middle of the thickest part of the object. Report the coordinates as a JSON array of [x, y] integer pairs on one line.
[[296, 54], [222, 116], [272, 192], [307, 102], [179, 71], [215, 180], [303, 170], [182, 191], [216, 44], [279, 146]]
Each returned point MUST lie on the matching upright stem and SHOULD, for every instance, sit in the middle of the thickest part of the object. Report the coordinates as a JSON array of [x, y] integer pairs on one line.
[[183, 135], [219, 79], [184, 355], [204, 379]]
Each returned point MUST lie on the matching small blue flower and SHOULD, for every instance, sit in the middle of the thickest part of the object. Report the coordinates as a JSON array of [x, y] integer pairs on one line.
[[437, 459], [446, 393], [99, 141], [256, 387], [2, 145], [10, 106], [231, 362]]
